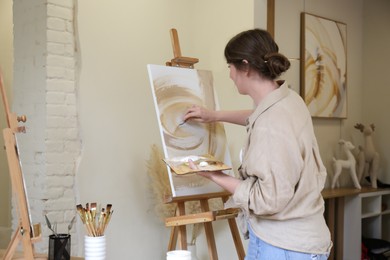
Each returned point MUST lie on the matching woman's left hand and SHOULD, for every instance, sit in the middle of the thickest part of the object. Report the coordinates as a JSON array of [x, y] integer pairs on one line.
[[201, 173], [227, 182]]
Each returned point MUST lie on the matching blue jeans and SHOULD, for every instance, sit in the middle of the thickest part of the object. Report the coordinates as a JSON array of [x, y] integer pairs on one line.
[[260, 250]]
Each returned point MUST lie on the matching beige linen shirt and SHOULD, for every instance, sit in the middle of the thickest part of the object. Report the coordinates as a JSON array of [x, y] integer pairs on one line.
[[283, 175]]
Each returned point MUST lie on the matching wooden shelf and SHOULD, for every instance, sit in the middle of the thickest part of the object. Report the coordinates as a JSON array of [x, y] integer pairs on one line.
[[344, 192], [349, 214], [19, 255], [365, 215]]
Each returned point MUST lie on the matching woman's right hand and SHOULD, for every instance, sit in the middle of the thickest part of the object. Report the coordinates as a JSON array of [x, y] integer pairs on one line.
[[199, 114]]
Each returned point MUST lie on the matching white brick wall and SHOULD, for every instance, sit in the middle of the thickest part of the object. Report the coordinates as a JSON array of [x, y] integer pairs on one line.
[[62, 126], [45, 90]]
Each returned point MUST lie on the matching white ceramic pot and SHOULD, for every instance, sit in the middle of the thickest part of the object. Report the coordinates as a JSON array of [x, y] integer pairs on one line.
[[95, 248], [179, 255]]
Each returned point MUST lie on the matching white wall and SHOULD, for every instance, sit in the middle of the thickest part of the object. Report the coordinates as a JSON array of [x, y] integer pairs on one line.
[[368, 53], [376, 90], [287, 34], [117, 116], [6, 63]]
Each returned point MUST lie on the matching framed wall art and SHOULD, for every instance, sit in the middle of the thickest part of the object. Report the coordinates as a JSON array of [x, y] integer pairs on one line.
[[324, 66]]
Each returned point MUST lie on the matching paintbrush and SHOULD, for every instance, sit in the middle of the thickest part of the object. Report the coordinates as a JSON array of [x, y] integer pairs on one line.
[[102, 217], [108, 215], [108, 208], [107, 220], [93, 214], [82, 215], [90, 221], [80, 211]]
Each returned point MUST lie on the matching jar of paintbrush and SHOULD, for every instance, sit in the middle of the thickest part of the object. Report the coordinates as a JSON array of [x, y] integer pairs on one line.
[[95, 222]]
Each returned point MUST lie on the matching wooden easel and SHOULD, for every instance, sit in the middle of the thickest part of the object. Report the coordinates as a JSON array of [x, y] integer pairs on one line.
[[178, 223], [178, 60], [25, 232]]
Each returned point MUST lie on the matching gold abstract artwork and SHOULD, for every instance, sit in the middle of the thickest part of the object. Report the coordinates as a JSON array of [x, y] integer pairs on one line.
[[174, 91], [324, 66]]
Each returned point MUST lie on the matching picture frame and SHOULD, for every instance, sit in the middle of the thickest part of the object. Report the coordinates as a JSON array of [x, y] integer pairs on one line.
[[323, 66]]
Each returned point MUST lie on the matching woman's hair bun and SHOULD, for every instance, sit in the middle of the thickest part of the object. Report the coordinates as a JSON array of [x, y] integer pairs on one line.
[[277, 63]]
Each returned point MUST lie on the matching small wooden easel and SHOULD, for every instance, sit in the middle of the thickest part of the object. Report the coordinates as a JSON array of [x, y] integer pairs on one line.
[[25, 232], [178, 223]]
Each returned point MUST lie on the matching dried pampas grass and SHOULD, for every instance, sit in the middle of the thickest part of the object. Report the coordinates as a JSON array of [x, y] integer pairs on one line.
[[161, 188], [159, 183]]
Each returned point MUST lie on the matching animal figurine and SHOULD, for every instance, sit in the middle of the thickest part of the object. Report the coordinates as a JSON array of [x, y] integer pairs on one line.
[[368, 157], [349, 164]]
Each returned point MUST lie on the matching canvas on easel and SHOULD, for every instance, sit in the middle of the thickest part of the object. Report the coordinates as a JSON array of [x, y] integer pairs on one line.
[[174, 91]]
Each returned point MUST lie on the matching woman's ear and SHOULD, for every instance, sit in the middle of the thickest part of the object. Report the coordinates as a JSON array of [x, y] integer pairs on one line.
[[246, 66]]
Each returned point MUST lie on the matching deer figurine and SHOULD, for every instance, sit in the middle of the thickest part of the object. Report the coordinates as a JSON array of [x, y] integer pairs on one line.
[[349, 164], [368, 157]]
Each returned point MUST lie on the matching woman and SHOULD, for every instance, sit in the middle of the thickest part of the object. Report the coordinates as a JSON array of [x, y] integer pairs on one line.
[[282, 174]]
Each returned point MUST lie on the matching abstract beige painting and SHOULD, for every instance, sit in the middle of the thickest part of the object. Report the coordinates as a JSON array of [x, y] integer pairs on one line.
[[324, 66], [174, 90]]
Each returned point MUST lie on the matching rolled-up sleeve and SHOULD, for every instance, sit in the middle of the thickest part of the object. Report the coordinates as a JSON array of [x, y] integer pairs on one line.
[[273, 164]]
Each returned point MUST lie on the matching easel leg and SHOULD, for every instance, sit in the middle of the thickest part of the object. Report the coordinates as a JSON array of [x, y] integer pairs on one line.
[[12, 245], [28, 247], [210, 241], [182, 229], [208, 227], [173, 239], [236, 238], [207, 217], [28, 250], [235, 235]]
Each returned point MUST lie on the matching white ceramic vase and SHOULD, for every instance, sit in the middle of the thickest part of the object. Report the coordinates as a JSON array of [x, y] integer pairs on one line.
[[179, 255], [95, 248]]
